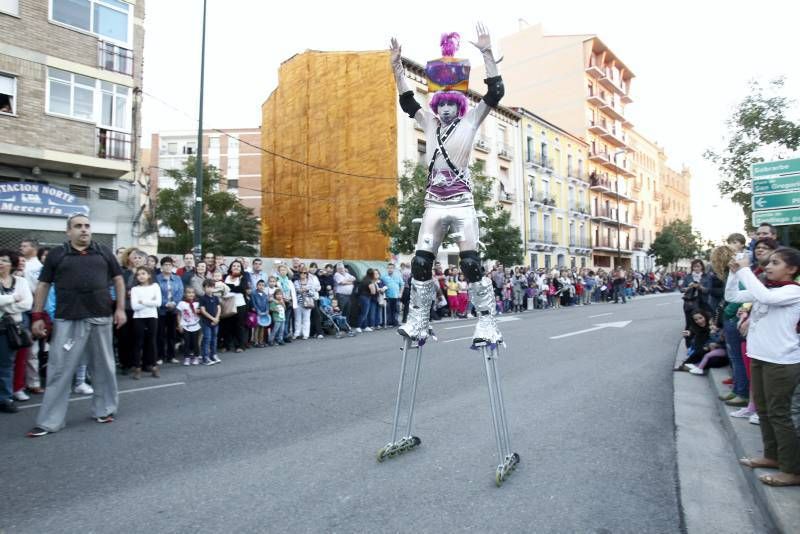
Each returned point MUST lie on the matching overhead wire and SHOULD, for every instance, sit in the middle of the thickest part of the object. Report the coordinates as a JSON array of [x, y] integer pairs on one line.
[[271, 153]]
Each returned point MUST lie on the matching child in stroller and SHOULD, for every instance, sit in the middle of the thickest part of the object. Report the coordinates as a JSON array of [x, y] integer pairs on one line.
[[333, 322]]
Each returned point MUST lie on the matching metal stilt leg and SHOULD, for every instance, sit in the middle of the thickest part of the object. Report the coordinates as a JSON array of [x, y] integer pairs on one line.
[[507, 460], [407, 442]]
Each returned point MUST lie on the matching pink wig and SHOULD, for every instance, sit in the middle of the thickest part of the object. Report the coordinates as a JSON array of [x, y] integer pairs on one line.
[[449, 43], [449, 97]]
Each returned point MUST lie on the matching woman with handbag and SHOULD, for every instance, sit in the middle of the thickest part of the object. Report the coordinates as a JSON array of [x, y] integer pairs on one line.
[[15, 298], [305, 302], [235, 326]]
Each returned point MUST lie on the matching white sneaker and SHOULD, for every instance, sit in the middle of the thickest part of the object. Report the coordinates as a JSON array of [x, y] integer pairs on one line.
[[368, 329], [187, 361], [695, 370], [83, 389], [21, 396], [195, 361], [743, 413], [358, 330], [319, 336], [754, 419], [690, 366]]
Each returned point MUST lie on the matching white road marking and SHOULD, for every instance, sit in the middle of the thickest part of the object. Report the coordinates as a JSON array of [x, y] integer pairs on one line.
[[88, 397], [666, 304], [619, 324], [457, 339], [601, 315], [472, 324], [462, 326]]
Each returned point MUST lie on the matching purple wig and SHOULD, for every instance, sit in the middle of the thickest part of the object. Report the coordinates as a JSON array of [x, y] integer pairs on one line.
[[449, 43], [449, 97]]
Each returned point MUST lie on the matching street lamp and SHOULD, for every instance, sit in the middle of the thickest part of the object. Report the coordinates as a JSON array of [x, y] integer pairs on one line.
[[616, 188]]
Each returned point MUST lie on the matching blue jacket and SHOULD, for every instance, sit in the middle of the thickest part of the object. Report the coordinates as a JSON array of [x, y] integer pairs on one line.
[[260, 302], [177, 291]]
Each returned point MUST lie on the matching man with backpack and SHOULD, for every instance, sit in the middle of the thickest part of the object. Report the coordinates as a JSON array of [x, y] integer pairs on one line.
[[82, 271]]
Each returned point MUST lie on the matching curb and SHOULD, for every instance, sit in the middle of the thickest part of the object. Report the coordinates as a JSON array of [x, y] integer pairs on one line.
[[779, 505]]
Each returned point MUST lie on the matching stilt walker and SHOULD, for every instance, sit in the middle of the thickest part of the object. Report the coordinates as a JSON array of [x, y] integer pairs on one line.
[[450, 131]]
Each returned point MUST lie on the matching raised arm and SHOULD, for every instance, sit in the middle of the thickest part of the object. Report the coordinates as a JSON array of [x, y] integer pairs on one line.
[[484, 44], [407, 101]]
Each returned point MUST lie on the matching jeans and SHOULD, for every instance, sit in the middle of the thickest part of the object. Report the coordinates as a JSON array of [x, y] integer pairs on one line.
[[733, 342], [144, 352], [276, 334], [6, 369], [364, 316], [209, 339], [376, 312], [391, 312], [619, 291], [302, 322], [167, 335]]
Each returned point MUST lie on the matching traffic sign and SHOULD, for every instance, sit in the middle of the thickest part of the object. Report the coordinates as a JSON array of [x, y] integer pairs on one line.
[[776, 184], [776, 200], [777, 217], [774, 168]]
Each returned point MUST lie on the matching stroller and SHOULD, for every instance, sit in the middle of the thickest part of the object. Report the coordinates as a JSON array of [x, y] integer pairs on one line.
[[333, 323]]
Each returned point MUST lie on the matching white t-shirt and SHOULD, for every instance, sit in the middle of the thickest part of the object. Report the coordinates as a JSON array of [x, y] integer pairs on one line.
[[145, 301], [33, 268], [188, 315], [772, 335]]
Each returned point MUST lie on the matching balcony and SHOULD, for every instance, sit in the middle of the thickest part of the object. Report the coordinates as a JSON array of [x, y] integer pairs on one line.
[[618, 86], [579, 208], [506, 198], [612, 111], [665, 206], [114, 58], [599, 157], [619, 167], [579, 242], [604, 215], [638, 245], [658, 195], [615, 137], [601, 184], [504, 151], [113, 145], [543, 199], [610, 244], [481, 143], [637, 215], [594, 70], [596, 99], [637, 185], [598, 127], [542, 240]]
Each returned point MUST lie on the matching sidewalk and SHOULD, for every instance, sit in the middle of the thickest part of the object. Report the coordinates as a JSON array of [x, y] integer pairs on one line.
[[717, 493], [781, 505]]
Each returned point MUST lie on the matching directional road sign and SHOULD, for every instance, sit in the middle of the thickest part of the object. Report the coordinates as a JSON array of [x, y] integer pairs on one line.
[[777, 200], [777, 217], [774, 168], [775, 185]]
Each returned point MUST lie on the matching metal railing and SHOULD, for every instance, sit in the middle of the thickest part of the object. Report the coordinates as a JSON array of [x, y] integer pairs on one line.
[[540, 236], [542, 198], [481, 143], [113, 145], [505, 151], [114, 58]]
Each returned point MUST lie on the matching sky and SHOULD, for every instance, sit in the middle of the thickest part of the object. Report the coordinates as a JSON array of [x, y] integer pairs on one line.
[[693, 60]]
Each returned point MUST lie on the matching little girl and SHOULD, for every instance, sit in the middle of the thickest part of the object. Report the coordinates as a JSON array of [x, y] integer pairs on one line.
[[261, 306], [452, 296], [145, 301], [189, 326], [278, 310]]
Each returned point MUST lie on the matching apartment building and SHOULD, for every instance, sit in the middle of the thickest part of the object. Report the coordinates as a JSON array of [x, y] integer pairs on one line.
[[557, 228], [675, 201], [70, 84], [346, 118], [580, 84], [236, 152]]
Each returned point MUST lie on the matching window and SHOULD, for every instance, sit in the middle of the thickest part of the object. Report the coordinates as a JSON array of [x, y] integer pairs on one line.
[[233, 184], [172, 148], [114, 106], [81, 191], [213, 151], [8, 94], [84, 98], [109, 194], [421, 146], [190, 148], [530, 149], [9, 6], [110, 19]]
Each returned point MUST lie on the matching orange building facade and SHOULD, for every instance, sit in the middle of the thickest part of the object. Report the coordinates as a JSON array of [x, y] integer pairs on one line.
[[331, 111]]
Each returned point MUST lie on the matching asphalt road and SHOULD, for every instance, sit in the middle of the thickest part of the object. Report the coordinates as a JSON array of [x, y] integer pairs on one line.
[[284, 439]]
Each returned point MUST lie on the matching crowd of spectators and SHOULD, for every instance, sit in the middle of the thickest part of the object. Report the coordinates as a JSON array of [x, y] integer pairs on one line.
[[744, 311]]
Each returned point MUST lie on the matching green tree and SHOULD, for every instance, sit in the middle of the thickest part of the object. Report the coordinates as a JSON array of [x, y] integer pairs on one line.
[[676, 241], [759, 130], [228, 227], [502, 241]]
